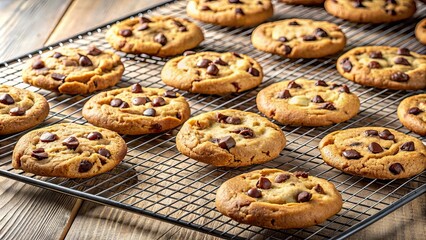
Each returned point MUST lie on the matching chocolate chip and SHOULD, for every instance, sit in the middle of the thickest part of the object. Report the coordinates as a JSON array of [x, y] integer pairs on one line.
[[400, 77], [170, 94], [346, 65], [345, 89], [309, 38], [319, 189], [301, 174], [161, 39], [37, 64], [39, 154], [263, 183], [375, 54], [254, 193], [84, 61], [205, 8], [158, 101], [187, 53], [143, 26], [396, 168], [239, 11], [402, 61], [284, 94], [94, 136], [391, 12], [6, 99], [94, 51], [414, 111], [104, 152], [221, 118], [226, 142], [220, 62], [352, 154], [178, 115], [287, 49], [150, 112], [116, 102], [374, 65], [253, 71], [370, 133], [212, 70], [391, 1], [386, 135], [71, 142], [321, 83], [293, 23], [282, 177], [408, 146], [58, 76], [282, 39], [126, 32], [233, 120], [403, 51], [245, 132], [234, 1], [319, 32], [182, 29], [317, 99], [203, 63], [335, 85], [57, 55], [84, 166], [328, 106], [304, 197], [358, 4], [293, 84], [144, 20], [136, 88], [17, 111], [375, 147], [236, 55], [48, 137], [139, 101]]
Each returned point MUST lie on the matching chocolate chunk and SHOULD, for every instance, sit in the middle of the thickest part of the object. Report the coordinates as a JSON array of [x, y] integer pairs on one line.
[[17, 111], [94, 136], [317, 99], [85, 61], [48, 137], [226, 142], [319, 32], [400, 77], [219, 61], [126, 32], [187, 53], [282, 178], [239, 11], [84, 166], [370, 133], [309, 38], [39, 154], [144, 20], [221, 118], [253, 71], [408, 146], [136, 88], [282, 39], [319, 189], [352, 154], [245, 132], [391, 12], [335, 85], [287, 49], [6, 99], [37, 64], [293, 84], [139, 101], [158, 101], [301, 174], [161, 39], [150, 112], [94, 51], [58, 76], [71, 142], [375, 54], [124, 105], [170, 94], [116, 102], [104, 152], [396, 168], [402, 61], [263, 183], [236, 55], [345, 89], [375, 147], [391, 1], [358, 4], [386, 135], [57, 55], [233, 120], [346, 65], [293, 23], [178, 115], [304, 197], [177, 23], [328, 106], [254, 193], [234, 1], [374, 65], [284, 94], [205, 8], [143, 26], [321, 83], [212, 70], [404, 52], [182, 29], [414, 111], [203, 63]]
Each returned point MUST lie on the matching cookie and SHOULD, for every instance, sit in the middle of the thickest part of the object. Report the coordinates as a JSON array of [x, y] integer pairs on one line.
[[305, 102], [278, 199], [230, 138], [412, 113], [299, 38], [20, 109], [69, 150], [230, 13], [384, 67], [421, 31], [212, 73], [303, 2], [158, 36], [371, 11], [135, 110], [374, 152]]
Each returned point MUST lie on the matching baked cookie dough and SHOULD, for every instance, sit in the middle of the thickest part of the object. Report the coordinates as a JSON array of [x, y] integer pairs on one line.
[[74, 71], [135, 110], [230, 13], [303, 2], [212, 73], [421, 31], [374, 152], [158, 36], [371, 11], [305, 102], [384, 67], [230, 138], [69, 150], [277, 199], [20, 109], [299, 38], [412, 113]]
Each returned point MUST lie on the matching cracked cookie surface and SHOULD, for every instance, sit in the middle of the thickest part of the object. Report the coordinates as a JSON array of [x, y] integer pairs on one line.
[[230, 138], [412, 113], [74, 71], [69, 150], [384, 67], [20, 109], [303, 102], [212, 73], [137, 110], [421, 31], [299, 38], [374, 152], [278, 199], [231, 13], [158, 35]]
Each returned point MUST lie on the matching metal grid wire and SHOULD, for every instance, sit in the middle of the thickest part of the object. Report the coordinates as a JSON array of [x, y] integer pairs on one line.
[[156, 180]]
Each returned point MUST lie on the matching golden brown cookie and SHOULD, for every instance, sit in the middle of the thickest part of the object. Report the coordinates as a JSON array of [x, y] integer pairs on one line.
[[371, 11], [384, 67], [230, 138], [374, 152], [135, 110], [212, 73], [158, 36], [278, 199], [305, 102], [69, 150], [303, 2], [412, 113], [231, 13], [421, 31]]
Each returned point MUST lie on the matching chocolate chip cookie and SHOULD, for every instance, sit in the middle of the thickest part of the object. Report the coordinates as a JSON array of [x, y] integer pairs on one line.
[[231, 13], [158, 36], [384, 67], [278, 199], [421, 31], [305, 102], [412, 113], [74, 71], [230, 138], [212, 73], [371, 11], [135, 110], [20, 109], [69, 150], [374, 152], [303, 2], [299, 38]]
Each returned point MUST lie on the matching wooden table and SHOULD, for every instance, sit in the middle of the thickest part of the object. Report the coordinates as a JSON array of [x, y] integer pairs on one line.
[[28, 212]]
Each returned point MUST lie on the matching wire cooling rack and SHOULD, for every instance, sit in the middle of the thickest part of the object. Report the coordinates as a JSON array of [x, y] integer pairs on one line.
[[157, 181]]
